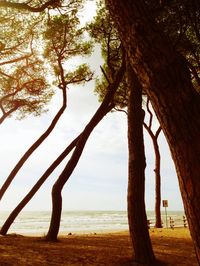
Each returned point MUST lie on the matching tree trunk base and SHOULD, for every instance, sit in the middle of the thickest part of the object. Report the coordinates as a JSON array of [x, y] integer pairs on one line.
[[156, 263], [50, 239]]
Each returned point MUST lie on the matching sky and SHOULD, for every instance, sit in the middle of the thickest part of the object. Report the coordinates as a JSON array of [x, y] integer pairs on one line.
[[99, 181]]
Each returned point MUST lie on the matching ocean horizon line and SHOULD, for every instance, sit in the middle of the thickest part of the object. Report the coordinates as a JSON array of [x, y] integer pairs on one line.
[[92, 210]]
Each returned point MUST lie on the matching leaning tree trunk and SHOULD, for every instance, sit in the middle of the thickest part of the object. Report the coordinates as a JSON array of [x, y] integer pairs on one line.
[[167, 82], [59, 184], [137, 218], [8, 222], [34, 146], [104, 108]]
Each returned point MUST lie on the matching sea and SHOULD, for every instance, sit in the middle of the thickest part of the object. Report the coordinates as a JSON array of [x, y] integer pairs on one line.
[[37, 222]]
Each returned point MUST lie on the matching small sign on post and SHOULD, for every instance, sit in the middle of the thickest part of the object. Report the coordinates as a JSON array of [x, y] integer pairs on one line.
[[165, 205]]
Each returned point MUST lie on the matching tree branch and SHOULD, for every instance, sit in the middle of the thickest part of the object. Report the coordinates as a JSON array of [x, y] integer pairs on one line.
[[25, 6], [15, 60], [150, 113], [105, 75], [120, 110], [158, 132], [6, 114]]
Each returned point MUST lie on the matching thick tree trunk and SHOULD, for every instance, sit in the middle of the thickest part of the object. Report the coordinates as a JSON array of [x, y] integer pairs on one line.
[[104, 108], [143, 253], [167, 82]]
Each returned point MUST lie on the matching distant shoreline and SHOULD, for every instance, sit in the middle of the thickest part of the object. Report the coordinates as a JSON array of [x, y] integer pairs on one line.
[[37, 222]]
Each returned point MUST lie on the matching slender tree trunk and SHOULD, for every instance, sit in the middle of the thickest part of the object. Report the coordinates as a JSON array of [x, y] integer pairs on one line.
[[154, 138], [59, 184], [137, 218], [104, 108], [158, 223], [167, 82], [36, 187], [34, 146]]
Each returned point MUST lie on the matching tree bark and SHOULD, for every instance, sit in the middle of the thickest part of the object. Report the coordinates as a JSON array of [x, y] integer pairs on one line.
[[143, 253], [104, 108], [166, 80]]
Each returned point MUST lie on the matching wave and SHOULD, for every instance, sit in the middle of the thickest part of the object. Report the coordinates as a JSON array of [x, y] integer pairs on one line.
[[37, 222]]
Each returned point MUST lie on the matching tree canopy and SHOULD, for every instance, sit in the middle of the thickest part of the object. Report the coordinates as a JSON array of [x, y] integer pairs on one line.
[[22, 71], [33, 43]]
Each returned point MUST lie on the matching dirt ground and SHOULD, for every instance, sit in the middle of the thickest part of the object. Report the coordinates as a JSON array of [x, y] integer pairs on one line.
[[171, 247]]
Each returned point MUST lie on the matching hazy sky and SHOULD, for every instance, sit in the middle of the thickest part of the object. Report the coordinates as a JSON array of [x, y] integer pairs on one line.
[[99, 181]]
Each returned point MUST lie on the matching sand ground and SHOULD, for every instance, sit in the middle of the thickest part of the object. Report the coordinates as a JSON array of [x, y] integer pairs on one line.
[[171, 247]]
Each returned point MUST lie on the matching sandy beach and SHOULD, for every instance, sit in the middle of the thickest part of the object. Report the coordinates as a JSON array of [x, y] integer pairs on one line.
[[171, 247]]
